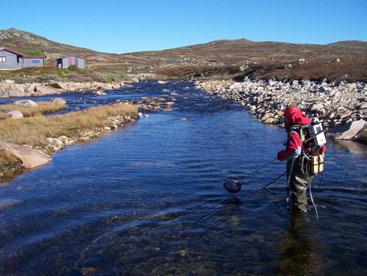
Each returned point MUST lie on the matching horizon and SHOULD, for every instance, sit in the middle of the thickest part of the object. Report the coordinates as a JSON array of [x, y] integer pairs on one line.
[[182, 46], [161, 25]]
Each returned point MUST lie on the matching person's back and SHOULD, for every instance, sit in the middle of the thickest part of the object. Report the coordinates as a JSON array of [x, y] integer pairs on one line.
[[297, 153]]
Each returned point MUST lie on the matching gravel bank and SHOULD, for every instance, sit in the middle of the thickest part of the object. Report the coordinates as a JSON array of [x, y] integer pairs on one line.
[[337, 105]]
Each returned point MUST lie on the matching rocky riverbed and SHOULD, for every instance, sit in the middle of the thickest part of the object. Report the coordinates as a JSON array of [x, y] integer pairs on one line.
[[341, 107], [8, 88]]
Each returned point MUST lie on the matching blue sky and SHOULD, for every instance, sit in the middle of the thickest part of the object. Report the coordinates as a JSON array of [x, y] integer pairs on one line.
[[136, 25]]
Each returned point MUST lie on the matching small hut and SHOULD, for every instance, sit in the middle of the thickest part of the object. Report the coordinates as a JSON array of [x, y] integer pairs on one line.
[[65, 62]]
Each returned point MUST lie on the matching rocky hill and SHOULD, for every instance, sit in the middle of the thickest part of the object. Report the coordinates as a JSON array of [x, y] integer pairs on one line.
[[217, 59]]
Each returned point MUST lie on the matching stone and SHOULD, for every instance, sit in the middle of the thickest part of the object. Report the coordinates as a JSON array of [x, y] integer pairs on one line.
[[30, 158], [268, 121], [26, 103], [99, 93], [16, 92], [317, 108], [59, 101], [15, 114], [353, 129], [29, 89], [9, 81], [362, 136], [54, 143], [345, 114], [56, 85]]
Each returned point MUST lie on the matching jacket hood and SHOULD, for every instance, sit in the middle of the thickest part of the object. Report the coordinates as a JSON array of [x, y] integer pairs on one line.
[[294, 116]]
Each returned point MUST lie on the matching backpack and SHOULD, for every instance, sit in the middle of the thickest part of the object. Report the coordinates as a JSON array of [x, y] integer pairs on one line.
[[313, 139]]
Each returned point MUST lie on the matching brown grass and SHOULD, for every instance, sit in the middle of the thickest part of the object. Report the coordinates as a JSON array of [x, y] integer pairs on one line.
[[42, 108], [9, 166], [196, 71], [33, 131]]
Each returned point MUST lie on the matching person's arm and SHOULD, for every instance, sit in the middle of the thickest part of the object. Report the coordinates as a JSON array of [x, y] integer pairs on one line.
[[294, 148]]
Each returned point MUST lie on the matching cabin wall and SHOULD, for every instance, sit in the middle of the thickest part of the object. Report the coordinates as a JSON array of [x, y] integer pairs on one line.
[[11, 60], [32, 62]]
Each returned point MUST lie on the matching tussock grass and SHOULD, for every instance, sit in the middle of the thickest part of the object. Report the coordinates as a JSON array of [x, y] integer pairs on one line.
[[9, 166], [34, 130], [42, 108]]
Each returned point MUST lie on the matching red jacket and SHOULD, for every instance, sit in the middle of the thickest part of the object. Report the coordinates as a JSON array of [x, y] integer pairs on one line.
[[294, 116]]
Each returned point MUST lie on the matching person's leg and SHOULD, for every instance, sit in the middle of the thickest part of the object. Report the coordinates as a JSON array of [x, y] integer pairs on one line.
[[299, 183]]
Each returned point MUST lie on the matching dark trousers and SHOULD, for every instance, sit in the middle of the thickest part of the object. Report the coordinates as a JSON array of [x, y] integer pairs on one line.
[[299, 180]]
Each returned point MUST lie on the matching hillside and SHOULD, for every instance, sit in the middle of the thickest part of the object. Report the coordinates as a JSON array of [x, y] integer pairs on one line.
[[217, 59]]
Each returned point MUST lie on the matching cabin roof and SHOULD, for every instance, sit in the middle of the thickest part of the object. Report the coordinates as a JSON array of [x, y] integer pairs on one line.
[[71, 57], [19, 54]]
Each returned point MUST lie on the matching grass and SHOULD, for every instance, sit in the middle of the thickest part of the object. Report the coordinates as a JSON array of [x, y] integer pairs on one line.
[[50, 73], [42, 108], [9, 166], [34, 131], [34, 53]]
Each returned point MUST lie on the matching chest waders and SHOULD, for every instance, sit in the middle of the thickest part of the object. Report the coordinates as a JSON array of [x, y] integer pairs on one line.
[[302, 169]]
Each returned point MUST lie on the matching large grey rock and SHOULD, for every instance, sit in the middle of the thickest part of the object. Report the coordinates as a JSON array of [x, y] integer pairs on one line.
[[15, 114], [354, 128], [30, 158], [362, 135], [26, 103]]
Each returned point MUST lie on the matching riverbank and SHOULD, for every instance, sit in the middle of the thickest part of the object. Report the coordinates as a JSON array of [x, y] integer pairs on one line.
[[9, 88], [339, 106], [29, 142]]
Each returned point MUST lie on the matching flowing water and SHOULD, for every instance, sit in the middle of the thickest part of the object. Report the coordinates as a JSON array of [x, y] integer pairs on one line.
[[149, 199]]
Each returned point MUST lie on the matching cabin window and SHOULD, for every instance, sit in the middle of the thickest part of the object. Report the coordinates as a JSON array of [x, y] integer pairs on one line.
[[2, 59], [36, 61]]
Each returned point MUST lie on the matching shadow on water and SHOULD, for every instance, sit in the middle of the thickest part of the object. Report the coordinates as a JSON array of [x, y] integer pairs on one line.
[[299, 251], [150, 200]]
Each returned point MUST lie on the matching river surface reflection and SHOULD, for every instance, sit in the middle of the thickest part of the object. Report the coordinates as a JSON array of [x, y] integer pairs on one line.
[[149, 199]]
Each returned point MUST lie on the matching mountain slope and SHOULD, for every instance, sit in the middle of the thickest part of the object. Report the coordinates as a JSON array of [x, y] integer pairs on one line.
[[22, 41], [221, 58]]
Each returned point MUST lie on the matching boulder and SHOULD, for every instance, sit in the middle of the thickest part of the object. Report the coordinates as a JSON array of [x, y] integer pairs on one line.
[[30, 158], [362, 136], [15, 114], [353, 129], [269, 121], [59, 101], [26, 103], [345, 114], [317, 108], [31, 88], [56, 85], [99, 93]]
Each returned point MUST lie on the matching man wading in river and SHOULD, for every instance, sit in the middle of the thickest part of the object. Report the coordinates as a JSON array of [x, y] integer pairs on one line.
[[304, 152]]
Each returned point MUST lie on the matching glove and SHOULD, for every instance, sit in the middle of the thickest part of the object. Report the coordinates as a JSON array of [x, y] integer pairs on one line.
[[279, 155]]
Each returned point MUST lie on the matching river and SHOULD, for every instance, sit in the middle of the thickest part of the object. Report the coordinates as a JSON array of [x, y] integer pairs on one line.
[[149, 199]]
